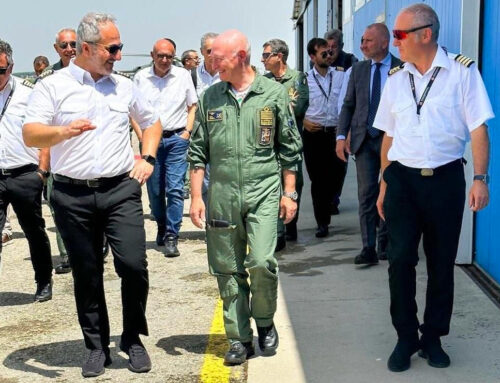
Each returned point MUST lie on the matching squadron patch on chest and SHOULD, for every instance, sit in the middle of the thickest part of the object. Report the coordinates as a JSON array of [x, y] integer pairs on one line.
[[265, 135], [266, 117], [214, 115]]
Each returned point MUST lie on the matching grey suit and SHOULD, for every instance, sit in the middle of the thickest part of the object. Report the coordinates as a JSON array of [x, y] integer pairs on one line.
[[353, 118]]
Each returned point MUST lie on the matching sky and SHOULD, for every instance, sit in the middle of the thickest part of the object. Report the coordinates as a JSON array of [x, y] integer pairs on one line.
[[30, 26]]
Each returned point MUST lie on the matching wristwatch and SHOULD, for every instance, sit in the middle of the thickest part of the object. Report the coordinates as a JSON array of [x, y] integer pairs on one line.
[[482, 177], [43, 173], [294, 196], [149, 159]]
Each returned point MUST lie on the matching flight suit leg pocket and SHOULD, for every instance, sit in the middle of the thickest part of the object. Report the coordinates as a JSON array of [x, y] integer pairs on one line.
[[221, 249]]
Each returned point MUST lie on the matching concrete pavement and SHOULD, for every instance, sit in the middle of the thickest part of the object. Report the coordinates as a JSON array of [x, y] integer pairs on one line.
[[339, 314]]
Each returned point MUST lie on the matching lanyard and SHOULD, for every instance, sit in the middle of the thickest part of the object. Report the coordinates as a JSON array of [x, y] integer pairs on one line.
[[321, 88], [426, 90], [8, 100]]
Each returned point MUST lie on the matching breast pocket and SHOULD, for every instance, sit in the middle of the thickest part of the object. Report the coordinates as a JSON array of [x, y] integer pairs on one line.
[[405, 116], [70, 112], [219, 132], [119, 115]]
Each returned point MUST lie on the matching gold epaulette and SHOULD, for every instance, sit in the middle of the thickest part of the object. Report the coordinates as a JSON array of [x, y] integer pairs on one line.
[[340, 68], [28, 83], [464, 60], [46, 73], [396, 69], [127, 75]]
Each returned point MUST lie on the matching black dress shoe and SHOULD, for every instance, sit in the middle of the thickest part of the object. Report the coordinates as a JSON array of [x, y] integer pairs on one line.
[[280, 243], [291, 231], [95, 363], [432, 351], [322, 231], [160, 236], [139, 360], [268, 339], [400, 359], [368, 256], [171, 247], [239, 352], [43, 292], [64, 267]]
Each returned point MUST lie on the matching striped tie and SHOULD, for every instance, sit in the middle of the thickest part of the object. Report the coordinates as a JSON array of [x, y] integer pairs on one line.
[[375, 100]]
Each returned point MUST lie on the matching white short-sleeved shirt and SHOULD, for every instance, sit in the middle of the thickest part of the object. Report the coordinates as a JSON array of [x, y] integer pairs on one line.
[[13, 152], [204, 79], [170, 95], [324, 110], [456, 104], [71, 94]]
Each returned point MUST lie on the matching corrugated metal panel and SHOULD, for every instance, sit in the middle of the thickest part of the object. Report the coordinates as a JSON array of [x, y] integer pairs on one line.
[[449, 13], [487, 227]]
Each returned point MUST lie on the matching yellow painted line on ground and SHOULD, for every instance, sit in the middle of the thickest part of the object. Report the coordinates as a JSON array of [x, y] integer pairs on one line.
[[213, 369]]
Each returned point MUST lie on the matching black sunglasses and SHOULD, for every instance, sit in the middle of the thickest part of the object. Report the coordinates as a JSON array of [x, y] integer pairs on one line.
[[4, 70], [64, 44], [401, 34], [326, 53], [112, 49], [266, 55]]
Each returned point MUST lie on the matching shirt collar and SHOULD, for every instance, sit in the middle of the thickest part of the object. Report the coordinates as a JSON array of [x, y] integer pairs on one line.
[[83, 76], [385, 61], [204, 71], [171, 72], [440, 60], [330, 69], [8, 86]]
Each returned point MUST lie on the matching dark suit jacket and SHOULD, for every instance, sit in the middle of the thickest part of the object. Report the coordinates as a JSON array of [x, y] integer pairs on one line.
[[354, 114]]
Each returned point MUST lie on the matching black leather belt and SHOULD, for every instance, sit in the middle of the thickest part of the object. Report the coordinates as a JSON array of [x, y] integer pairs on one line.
[[93, 183], [427, 172], [170, 133], [17, 171]]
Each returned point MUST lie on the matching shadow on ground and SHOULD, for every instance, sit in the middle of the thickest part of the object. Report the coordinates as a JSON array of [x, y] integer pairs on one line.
[[49, 360], [10, 298], [195, 343]]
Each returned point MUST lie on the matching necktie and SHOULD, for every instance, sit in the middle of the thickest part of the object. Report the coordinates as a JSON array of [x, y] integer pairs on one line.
[[374, 101]]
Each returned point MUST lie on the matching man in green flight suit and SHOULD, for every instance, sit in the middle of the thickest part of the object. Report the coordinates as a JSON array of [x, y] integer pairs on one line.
[[274, 59], [246, 131]]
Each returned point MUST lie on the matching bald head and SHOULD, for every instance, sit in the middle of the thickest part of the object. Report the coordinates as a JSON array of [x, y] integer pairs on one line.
[[163, 55], [233, 42]]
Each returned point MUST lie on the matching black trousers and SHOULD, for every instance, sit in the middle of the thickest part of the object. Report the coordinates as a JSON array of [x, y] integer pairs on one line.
[[84, 215], [326, 171], [24, 192], [367, 172], [429, 207]]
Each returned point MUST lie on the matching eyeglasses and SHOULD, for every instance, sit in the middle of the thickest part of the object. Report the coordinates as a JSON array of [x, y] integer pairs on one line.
[[164, 56], [4, 69], [64, 44], [400, 34], [266, 55], [112, 49], [326, 53]]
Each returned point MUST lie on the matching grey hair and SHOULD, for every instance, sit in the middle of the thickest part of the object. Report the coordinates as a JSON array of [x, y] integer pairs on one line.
[[335, 34], [205, 37], [88, 29], [7, 50], [424, 15], [185, 55], [41, 59], [278, 46], [64, 30]]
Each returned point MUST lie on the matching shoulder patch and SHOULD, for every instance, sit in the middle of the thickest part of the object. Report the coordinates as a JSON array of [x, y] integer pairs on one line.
[[340, 68], [396, 69], [127, 75], [46, 73], [464, 60], [28, 83]]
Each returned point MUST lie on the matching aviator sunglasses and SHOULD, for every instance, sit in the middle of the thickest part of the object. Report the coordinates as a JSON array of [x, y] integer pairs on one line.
[[64, 44], [112, 49], [401, 34]]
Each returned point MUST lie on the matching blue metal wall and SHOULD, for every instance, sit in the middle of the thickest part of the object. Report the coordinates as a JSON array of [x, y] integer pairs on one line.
[[487, 229], [449, 13]]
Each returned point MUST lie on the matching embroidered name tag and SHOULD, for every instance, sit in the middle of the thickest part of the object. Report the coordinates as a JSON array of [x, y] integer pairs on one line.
[[214, 115]]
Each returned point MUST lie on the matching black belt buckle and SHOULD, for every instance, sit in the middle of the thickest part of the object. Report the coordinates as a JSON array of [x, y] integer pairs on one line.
[[93, 183]]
